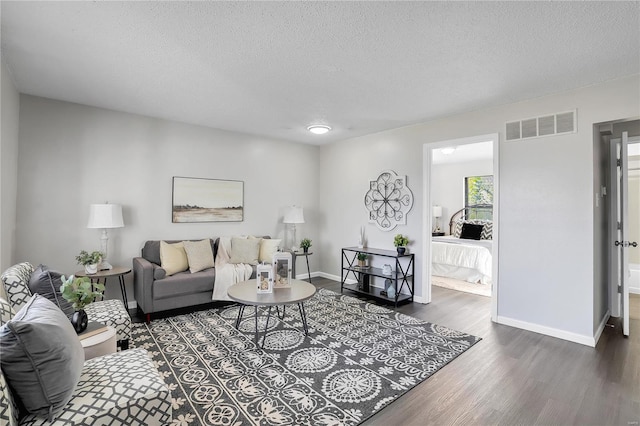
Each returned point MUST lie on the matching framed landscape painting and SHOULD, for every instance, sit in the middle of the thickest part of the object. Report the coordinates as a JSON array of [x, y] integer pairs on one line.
[[207, 200]]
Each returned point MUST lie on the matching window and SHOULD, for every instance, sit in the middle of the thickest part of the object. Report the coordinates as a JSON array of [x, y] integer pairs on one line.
[[478, 197]]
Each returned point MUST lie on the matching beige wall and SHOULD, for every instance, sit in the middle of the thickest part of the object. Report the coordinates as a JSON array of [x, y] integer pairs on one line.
[[72, 156], [546, 202]]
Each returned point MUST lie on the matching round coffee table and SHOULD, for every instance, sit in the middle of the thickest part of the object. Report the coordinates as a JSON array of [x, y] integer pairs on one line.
[[246, 293]]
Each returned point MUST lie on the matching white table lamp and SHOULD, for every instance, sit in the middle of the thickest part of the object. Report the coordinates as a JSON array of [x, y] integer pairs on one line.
[[437, 213], [293, 216], [105, 216]]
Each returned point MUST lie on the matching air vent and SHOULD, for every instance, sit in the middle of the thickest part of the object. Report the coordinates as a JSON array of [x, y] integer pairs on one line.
[[547, 125]]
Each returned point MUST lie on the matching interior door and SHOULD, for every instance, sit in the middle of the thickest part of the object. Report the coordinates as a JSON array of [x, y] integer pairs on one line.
[[619, 221]]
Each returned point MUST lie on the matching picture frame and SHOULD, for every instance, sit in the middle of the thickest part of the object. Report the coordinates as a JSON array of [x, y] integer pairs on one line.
[[282, 265], [264, 279], [206, 200]]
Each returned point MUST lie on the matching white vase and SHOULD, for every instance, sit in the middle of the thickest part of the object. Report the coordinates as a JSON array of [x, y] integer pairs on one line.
[[91, 269]]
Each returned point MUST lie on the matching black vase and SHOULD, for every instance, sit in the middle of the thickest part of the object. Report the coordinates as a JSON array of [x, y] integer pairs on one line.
[[401, 250], [79, 320], [305, 249]]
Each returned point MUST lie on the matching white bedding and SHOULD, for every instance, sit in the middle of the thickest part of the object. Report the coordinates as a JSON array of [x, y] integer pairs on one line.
[[462, 259]]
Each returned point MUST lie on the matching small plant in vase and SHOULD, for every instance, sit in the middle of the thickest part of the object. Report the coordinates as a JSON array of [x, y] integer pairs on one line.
[[362, 260], [305, 244], [90, 261], [80, 292], [401, 242]]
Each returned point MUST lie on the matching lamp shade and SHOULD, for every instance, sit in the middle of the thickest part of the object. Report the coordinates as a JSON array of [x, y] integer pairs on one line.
[[105, 216], [294, 215], [437, 211]]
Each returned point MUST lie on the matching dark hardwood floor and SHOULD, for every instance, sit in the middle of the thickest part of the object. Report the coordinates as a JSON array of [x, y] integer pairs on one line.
[[516, 377]]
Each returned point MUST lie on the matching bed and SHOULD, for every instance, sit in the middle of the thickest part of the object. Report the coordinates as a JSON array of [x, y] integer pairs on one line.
[[462, 258]]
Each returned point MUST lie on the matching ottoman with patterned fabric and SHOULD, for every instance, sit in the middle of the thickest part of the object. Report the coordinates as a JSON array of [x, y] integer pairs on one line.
[[15, 281]]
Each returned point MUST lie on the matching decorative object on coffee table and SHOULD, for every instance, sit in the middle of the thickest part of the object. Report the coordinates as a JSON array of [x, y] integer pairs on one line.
[[264, 279], [90, 261], [401, 242], [105, 216], [388, 200], [282, 270], [80, 292]]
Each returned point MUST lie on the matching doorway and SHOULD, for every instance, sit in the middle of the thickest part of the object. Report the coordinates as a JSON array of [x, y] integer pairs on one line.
[[434, 203]]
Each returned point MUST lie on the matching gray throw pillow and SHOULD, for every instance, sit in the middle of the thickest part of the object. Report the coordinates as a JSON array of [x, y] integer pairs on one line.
[[47, 283], [42, 357]]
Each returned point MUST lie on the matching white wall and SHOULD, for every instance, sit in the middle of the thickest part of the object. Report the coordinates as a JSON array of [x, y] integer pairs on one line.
[[546, 202], [73, 155], [10, 108], [448, 185]]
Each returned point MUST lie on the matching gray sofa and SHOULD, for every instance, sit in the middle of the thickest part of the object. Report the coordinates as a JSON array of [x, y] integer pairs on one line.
[[155, 292]]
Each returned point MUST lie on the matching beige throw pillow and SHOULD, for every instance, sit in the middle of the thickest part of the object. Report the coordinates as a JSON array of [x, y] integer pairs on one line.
[[173, 258], [267, 248], [199, 255], [245, 250]]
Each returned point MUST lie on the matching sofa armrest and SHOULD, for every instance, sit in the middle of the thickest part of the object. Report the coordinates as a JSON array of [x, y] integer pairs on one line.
[[143, 271]]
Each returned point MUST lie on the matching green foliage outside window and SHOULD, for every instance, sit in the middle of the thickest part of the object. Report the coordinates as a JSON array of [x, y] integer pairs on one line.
[[478, 197]]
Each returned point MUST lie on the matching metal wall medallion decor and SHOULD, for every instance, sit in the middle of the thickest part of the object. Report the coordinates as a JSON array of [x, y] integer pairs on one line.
[[388, 200]]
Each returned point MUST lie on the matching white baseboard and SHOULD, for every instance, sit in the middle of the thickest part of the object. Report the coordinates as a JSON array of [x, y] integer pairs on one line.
[[548, 331]]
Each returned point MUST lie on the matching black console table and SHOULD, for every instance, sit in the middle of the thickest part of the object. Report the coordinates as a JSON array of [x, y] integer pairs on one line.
[[402, 275]]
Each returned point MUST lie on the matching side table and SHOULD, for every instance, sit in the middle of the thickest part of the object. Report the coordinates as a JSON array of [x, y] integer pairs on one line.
[[100, 344], [295, 255], [117, 271]]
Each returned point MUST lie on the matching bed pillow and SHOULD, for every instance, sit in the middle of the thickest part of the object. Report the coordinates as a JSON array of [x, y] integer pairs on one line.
[[42, 357], [245, 250], [199, 255], [267, 248], [173, 258], [471, 231], [47, 283]]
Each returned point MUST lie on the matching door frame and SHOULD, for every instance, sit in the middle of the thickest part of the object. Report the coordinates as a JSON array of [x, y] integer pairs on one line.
[[427, 218]]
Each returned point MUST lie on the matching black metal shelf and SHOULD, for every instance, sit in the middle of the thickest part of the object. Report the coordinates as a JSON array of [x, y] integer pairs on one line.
[[402, 275]]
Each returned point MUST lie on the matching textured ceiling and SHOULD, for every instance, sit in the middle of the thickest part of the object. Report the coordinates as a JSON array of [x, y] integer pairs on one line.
[[273, 68]]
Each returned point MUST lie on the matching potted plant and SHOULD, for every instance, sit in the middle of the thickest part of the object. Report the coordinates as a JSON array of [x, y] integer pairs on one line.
[[80, 292], [362, 260], [90, 261], [305, 244], [401, 242]]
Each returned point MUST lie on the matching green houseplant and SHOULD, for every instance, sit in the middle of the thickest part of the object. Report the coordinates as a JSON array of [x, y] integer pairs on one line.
[[362, 259], [401, 242], [80, 292], [90, 261], [305, 244]]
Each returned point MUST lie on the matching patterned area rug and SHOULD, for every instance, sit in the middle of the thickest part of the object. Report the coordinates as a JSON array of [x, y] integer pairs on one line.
[[357, 359]]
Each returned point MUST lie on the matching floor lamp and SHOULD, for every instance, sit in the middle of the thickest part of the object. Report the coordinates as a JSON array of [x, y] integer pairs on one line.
[[293, 216], [105, 216]]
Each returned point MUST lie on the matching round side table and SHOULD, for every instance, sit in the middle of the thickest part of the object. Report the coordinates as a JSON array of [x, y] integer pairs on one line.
[[117, 271], [100, 344]]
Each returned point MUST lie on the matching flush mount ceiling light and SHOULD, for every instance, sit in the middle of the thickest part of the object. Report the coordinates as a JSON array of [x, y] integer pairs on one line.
[[448, 150], [318, 129]]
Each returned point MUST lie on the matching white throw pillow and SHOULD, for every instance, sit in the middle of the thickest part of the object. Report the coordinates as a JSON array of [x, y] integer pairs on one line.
[[199, 255], [173, 258], [267, 248], [245, 250]]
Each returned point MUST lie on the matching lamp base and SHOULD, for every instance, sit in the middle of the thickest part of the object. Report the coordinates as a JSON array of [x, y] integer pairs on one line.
[[104, 266]]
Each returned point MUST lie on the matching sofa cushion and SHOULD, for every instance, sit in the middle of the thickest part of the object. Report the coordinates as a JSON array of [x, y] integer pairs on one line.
[[184, 283], [267, 248], [199, 255], [151, 249], [173, 257], [245, 250], [42, 357], [47, 283]]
